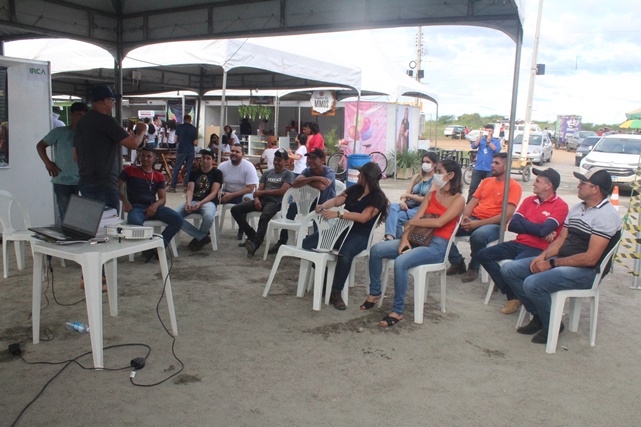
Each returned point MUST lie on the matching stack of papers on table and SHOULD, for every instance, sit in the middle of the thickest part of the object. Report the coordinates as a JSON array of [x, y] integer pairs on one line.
[[109, 217]]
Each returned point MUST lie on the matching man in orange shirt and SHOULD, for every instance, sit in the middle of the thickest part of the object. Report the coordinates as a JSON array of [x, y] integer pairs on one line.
[[482, 217]]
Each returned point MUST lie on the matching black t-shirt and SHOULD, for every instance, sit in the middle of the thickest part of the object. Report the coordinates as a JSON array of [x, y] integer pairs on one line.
[[97, 139], [359, 206], [203, 182], [186, 134]]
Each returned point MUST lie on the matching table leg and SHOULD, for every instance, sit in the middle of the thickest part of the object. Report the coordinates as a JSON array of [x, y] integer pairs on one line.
[[164, 269], [164, 161], [111, 270], [37, 296], [92, 273]]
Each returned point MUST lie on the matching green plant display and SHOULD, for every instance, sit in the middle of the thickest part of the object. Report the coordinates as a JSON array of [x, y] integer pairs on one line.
[[331, 142]]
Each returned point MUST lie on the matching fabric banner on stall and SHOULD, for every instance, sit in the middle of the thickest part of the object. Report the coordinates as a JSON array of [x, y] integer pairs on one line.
[[372, 126], [175, 108], [403, 125]]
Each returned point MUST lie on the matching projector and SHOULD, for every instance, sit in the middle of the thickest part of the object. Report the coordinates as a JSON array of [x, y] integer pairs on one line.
[[130, 231]]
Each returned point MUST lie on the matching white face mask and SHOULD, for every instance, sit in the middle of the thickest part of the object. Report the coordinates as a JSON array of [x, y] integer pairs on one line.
[[439, 182], [427, 167]]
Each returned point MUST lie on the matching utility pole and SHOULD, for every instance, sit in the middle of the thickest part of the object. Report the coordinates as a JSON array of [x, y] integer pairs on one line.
[[530, 93]]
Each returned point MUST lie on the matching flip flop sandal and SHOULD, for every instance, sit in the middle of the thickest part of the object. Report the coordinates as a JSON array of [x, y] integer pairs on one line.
[[368, 305], [390, 321]]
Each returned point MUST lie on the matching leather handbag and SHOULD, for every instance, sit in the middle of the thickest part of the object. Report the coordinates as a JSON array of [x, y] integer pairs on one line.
[[422, 236]]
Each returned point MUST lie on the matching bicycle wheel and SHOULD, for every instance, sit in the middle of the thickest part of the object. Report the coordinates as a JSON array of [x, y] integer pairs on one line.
[[380, 159], [467, 174], [338, 163]]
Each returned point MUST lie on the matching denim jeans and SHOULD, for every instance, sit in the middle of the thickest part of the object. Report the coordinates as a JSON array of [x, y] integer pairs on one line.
[[208, 212], [420, 255], [174, 221], [240, 211], [534, 290], [180, 159], [489, 258], [477, 177], [397, 218], [63, 194], [354, 244], [104, 193], [479, 239]]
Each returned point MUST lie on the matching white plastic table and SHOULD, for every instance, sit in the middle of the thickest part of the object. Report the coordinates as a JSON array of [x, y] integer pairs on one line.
[[92, 257]]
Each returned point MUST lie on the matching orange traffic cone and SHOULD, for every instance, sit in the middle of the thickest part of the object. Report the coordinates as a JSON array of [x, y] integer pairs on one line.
[[614, 199]]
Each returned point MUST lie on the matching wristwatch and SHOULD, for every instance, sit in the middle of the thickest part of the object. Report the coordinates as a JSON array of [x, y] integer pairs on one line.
[[552, 263], [340, 214]]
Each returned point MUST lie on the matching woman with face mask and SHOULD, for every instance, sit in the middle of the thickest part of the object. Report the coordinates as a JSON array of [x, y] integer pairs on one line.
[[420, 185], [448, 203]]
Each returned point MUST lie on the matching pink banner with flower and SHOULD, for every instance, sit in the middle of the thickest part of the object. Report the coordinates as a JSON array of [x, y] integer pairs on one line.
[[372, 126]]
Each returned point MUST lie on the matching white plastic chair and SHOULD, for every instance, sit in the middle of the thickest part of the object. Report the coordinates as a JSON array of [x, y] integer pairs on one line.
[[421, 282], [490, 286], [304, 197], [339, 186], [159, 226], [213, 231], [10, 234], [574, 295], [484, 276], [328, 233]]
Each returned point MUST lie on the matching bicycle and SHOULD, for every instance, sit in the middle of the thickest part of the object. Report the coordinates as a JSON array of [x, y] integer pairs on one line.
[[467, 173], [338, 160]]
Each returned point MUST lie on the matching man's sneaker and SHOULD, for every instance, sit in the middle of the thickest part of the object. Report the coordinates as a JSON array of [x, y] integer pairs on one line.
[[456, 269], [470, 275], [274, 248], [192, 244], [251, 248], [171, 189], [511, 306], [542, 336], [531, 328], [201, 243]]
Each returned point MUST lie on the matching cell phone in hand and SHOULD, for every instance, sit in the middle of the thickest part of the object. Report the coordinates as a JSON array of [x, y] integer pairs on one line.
[[406, 249]]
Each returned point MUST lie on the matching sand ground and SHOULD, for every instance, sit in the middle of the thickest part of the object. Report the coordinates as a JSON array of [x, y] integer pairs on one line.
[[254, 361]]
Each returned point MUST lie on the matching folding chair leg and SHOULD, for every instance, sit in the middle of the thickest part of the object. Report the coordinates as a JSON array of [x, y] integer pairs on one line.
[[521, 318], [19, 248], [386, 267], [319, 274], [5, 259], [488, 295], [268, 240], [443, 287], [419, 298], [594, 313], [303, 277], [574, 313]]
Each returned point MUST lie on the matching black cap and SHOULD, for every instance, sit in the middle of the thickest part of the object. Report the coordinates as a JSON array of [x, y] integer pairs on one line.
[[599, 177], [98, 93], [282, 153], [316, 152], [206, 152], [370, 169], [550, 174]]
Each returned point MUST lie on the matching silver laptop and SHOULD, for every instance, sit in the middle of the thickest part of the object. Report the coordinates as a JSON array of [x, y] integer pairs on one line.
[[80, 222]]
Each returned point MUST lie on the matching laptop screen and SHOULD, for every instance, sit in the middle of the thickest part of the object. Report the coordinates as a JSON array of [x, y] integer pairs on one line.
[[83, 215]]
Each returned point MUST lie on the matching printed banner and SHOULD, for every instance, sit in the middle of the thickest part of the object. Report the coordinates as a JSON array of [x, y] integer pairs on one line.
[[323, 103], [176, 110], [372, 126]]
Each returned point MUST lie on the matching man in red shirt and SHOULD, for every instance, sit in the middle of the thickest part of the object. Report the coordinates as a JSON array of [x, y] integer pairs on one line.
[[538, 221], [482, 217]]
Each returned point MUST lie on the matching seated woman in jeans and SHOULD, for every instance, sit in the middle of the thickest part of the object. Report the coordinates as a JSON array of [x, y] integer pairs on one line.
[[421, 184], [447, 202], [363, 201]]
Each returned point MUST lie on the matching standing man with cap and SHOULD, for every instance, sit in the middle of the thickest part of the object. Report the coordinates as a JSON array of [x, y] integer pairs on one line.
[[591, 229], [97, 141], [64, 171], [538, 221], [267, 199], [187, 135], [487, 146], [316, 175], [202, 197]]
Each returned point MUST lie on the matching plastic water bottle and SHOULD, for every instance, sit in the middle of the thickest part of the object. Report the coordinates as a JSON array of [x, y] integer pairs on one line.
[[77, 326]]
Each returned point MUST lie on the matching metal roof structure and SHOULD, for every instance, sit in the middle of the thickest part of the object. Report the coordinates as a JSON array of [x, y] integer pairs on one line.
[[122, 25]]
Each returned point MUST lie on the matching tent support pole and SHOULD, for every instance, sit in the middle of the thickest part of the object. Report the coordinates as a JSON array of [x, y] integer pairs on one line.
[[356, 132], [508, 168], [276, 113], [395, 136], [222, 116]]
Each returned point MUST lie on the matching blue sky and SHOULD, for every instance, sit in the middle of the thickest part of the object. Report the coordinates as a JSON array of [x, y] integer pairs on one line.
[[592, 52]]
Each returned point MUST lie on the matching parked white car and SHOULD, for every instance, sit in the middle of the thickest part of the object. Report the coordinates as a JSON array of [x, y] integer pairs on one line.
[[619, 154], [539, 147]]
